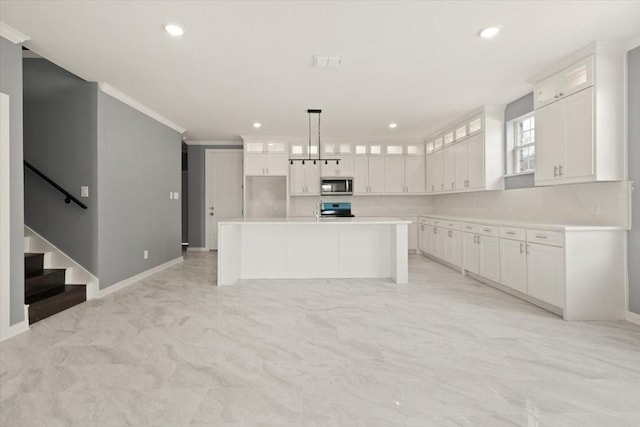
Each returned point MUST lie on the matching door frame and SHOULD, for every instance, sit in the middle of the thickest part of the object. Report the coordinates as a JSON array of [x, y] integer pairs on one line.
[[207, 175], [5, 216]]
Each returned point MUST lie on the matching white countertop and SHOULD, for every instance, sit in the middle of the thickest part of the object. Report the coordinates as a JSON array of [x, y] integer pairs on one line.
[[527, 224], [313, 220]]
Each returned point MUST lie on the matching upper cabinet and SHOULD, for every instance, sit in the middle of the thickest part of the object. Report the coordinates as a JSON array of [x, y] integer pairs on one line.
[[405, 168], [580, 118], [472, 159], [265, 158]]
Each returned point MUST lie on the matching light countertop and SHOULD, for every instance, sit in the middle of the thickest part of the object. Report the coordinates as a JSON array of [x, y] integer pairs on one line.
[[528, 224], [313, 220]]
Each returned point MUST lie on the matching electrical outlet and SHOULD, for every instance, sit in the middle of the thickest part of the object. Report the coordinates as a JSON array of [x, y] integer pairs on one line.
[[84, 191], [145, 254]]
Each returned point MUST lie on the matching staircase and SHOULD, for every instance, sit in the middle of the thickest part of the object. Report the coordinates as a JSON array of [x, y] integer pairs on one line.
[[45, 290]]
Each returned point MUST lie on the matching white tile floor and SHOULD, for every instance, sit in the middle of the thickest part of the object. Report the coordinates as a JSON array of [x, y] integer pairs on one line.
[[444, 350]]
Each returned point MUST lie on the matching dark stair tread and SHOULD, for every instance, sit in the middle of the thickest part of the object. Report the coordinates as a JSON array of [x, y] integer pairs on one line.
[[33, 294], [45, 275], [72, 295], [32, 254]]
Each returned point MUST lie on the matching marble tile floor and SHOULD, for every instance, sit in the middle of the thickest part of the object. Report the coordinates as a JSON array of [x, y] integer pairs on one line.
[[444, 350]]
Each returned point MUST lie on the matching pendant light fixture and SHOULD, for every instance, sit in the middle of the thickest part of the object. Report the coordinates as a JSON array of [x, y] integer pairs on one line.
[[319, 158]]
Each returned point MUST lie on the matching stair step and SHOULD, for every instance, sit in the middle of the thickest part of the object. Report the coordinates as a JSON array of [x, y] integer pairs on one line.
[[47, 276], [35, 294], [72, 295], [33, 264]]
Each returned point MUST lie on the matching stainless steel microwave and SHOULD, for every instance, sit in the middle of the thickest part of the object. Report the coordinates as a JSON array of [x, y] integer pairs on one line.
[[336, 186]]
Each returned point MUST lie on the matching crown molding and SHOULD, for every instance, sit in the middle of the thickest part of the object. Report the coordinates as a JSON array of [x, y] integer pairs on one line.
[[11, 34], [112, 91], [214, 143]]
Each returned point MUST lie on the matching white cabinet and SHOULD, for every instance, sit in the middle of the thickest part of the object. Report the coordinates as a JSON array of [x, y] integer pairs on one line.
[[424, 235], [472, 158], [453, 247], [513, 264], [564, 140], [489, 257], [265, 158], [470, 252], [302, 150], [304, 179], [342, 167], [580, 106], [435, 172], [405, 169], [545, 273], [368, 174], [565, 83]]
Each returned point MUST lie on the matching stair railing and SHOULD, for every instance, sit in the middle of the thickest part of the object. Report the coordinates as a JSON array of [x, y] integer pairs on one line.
[[68, 196]]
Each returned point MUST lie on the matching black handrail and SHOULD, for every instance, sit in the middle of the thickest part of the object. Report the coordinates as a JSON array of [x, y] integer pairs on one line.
[[68, 195]]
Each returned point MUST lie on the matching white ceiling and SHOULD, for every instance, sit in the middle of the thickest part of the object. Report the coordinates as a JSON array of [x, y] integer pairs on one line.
[[419, 64]]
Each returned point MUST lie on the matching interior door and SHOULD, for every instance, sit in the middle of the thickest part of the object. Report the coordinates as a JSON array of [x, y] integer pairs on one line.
[[224, 190]]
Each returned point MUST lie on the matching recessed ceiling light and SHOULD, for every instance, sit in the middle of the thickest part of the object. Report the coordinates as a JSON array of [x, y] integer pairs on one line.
[[489, 32], [174, 29], [257, 125], [393, 125]]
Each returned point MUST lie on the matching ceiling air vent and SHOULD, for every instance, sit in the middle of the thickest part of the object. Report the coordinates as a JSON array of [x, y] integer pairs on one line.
[[324, 61]]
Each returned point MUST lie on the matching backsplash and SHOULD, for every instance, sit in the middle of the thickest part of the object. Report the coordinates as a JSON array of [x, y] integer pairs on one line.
[[603, 203], [367, 205]]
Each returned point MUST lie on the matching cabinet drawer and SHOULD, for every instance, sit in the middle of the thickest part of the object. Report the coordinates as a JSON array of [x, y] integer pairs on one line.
[[437, 222], [452, 225], [488, 230], [513, 233], [545, 237], [469, 228]]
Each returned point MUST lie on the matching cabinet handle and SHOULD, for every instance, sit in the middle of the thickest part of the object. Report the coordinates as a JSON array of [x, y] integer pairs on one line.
[[453, 185], [521, 248], [442, 186], [433, 188], [486, 230], [435, 230], [528, 248], [475, 239], [555, 171], [450, 233], [540, 236], [560, 170], [561, 94], [510, 232], [556, 96], [478, 239]]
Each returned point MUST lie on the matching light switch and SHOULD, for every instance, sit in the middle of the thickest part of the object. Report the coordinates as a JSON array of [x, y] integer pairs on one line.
[[171, 195], [145, 254], [84, 191], [176, 195]]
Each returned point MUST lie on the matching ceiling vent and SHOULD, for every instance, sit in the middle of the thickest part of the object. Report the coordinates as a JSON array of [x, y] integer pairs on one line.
[[324, 61]]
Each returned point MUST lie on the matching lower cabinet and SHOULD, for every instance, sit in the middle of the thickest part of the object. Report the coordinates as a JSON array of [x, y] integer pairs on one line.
[[513, 265], [545, 278], [470, 252], [489, 257], [452, 247]]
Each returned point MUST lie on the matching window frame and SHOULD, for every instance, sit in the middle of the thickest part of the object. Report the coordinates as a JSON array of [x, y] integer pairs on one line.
[[514, 149]]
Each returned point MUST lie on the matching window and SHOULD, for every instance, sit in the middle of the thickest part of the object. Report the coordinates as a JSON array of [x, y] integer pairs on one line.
[[521, 139]]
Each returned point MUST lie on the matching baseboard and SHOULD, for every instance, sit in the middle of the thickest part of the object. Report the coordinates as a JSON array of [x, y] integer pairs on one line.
[[16, 329], [633, 317], [190, 249], [126, 282]]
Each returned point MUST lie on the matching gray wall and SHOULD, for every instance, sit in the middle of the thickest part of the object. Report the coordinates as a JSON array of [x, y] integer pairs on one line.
[[633, 73], [11, 84], [515, 109], [60, 139], [138, 165], [196, 195]]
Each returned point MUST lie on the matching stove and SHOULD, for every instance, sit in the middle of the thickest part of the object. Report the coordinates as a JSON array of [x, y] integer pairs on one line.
[[336, 210]]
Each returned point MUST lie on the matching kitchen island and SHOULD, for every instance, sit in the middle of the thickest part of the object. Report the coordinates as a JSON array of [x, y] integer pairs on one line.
[[308, 248]]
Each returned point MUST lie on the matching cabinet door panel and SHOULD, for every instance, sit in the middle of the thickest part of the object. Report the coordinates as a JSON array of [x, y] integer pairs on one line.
[[475, 161], [545, 277], [345, 167], [428, 237], [546, 92], [490, 258], [376, 174], [460, 165], [275, 147], [579, 136], [452, 247], [431, 185], [449, 169], [470, 258], [576, 77], [312, 178], [360, 174], [254, 147], [296, 179], [393, 174], [438, 171], [513, 265], [254, 164], [276, 164], [549, 142], [329, 170], [415, 174]]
